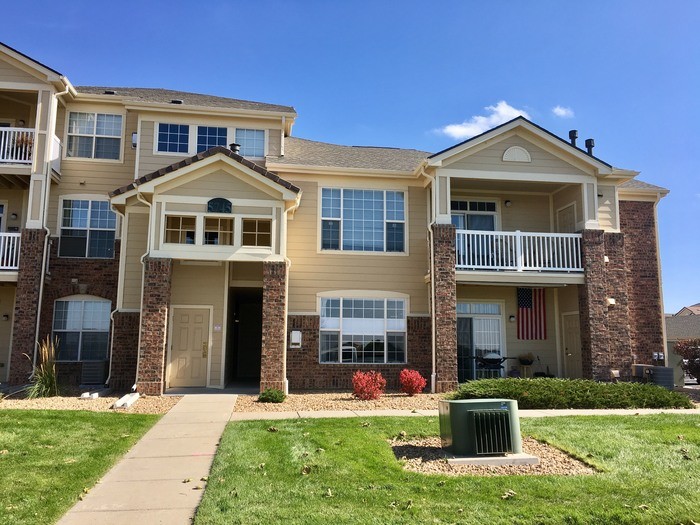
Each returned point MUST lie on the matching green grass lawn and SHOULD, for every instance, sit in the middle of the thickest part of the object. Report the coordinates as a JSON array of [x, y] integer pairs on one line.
[[354, 477], [47, 458]]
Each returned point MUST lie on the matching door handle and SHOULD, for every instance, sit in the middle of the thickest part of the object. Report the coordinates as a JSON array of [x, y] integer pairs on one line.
[[568, 354], [205, 348]]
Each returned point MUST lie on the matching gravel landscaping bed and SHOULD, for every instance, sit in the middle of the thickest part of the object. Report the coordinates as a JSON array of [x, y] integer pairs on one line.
[[144, 405], [427, 457], [338, 401]]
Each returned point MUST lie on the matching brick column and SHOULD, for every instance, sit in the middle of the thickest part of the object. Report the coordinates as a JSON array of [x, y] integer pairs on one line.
[[638, 224], [618, 318], [26, 305], [125, 343], [445, 307], [274, 310], [592, 307], [157, 280]]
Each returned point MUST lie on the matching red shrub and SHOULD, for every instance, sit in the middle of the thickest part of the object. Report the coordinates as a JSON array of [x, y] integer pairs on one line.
[[368, 385], [411, 381]]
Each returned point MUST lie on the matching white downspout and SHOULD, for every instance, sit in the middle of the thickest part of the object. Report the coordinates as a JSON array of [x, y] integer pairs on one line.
[[433, 373], [116, 309], [45, 205]]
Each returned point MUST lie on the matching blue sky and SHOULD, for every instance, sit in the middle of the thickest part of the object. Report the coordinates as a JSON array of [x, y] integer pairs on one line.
[[396, 73]]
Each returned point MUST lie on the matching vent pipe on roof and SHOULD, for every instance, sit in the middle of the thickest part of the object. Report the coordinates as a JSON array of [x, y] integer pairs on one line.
[[110, 92], [236, 148], [573, 135], [590, 144], [176, 101]]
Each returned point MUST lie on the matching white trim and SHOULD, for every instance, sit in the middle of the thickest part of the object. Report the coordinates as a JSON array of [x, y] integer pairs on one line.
[[224, 326], [572, 203], [90, 197], [500, 317], [499, 202], [83, 298], [563, 178], [565, 368], [4, 215], [171, 318]]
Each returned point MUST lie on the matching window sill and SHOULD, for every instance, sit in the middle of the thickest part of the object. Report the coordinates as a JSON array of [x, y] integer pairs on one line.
[[101, 161], [358, 252]]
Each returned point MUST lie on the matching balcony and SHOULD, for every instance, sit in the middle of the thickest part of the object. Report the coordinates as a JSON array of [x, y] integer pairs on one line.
[[519, 251], [9, 251], [16, 146]]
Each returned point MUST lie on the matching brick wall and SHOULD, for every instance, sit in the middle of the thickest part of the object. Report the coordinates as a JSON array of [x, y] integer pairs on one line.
[[637, 223], [125, 341], [306, 373], [272, 362], [26, 305], [618, 318], [445, 307], [96, 277], [154, 325]]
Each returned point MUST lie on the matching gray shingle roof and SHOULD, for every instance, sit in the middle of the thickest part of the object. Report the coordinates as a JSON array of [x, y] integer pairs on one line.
[[201, 156], [165, 96], [682, 327], [636, 184], [311, 153]]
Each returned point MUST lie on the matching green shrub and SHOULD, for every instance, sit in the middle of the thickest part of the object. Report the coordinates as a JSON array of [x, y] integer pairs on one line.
[[44, 383], [547, 393], [271, 395]]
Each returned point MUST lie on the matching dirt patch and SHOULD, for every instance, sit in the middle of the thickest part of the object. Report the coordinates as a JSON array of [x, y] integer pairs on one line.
[[339, 401], [427, 457], [144, 405]]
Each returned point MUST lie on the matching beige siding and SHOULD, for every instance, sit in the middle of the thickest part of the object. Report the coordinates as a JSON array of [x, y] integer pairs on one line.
[[148, 161], [528, 213], [545, 349], [568, 299], [204, 285], [14, 111], [313, 271], [274, 142], [607, 208], [491, 159], [219, 184], [564, 198], [16, 203], [245, 272], [135, 239], [100, 177], [7, 307], [11, 73]]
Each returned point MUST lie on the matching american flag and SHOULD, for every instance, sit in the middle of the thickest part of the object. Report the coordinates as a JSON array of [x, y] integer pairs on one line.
[[532, 318]]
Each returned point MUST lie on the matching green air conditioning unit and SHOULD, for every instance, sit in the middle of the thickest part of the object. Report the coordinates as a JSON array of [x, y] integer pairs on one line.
[[480, 427]]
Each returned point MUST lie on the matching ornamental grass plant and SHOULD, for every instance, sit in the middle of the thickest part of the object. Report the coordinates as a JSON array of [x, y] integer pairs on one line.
[[44, 383]]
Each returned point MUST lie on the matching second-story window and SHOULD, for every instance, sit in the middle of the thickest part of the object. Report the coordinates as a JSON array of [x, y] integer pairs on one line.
[[173, 138], [362, 220], [87, 229], [252, 142], [210, 136], [94, 135]]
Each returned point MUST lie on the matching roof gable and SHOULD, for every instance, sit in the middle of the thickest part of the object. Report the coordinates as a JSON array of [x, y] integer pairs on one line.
[[539, 136], [207, 158], [35, 69]]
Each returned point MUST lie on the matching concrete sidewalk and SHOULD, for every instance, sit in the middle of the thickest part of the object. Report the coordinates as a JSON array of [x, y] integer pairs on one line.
[[146, 486], [247, 416]]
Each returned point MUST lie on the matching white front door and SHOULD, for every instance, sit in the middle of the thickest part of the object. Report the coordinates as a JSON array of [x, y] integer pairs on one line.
[[189, 349], [572, 346], [566, 219]]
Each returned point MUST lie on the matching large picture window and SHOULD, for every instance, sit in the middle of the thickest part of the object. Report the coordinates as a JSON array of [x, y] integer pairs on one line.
[[94, 135], [363, 330], [87, 229], [363, 220], [173, 138], [210, 136], [82, 329]]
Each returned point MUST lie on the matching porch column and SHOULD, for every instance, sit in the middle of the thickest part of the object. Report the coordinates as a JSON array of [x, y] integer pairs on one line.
[[273, 362], [445, 307], [26, 305], [593, 306], [125, 343], [155, 306]]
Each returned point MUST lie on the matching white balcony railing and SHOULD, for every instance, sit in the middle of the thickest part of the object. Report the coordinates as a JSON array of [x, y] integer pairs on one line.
[[9, 251], [16, 145], [518, 251]]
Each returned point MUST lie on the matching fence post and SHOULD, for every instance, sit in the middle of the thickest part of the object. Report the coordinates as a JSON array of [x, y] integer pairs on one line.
[[519, 249]]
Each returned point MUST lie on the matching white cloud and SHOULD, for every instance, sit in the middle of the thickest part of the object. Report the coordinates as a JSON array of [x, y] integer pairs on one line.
[[498, 114], [563, 112]]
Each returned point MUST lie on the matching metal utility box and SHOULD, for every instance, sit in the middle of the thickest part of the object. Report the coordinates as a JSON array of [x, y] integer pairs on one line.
[[480, 427]]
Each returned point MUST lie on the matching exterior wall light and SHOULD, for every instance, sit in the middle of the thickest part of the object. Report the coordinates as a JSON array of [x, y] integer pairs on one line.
[[508, 204]]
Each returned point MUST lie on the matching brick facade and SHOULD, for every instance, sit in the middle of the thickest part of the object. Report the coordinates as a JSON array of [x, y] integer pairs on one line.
[[274, 310], [26, 305], [638, 224], [306, 373], [125, 342], [445, 307], [157, 282]]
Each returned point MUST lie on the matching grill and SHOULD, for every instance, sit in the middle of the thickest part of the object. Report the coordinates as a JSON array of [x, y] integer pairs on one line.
[[491, 431]]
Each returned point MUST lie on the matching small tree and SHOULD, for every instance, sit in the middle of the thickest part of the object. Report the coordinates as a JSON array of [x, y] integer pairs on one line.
[[689, 350]]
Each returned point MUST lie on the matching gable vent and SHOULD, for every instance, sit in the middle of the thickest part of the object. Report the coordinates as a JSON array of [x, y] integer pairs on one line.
[[110, 92], [176, 101], [516, 154]]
